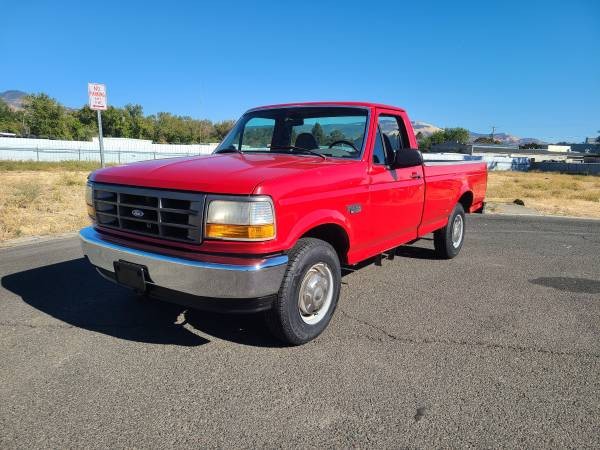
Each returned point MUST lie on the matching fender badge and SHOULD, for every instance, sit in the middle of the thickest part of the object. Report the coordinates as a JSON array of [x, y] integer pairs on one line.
[[354, 208]]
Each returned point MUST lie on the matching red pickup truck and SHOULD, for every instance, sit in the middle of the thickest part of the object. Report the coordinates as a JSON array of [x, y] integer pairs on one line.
[[266, 223]]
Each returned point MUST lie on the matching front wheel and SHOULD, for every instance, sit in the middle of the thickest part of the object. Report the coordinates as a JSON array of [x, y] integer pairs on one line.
[[449, 240], [309, 293]]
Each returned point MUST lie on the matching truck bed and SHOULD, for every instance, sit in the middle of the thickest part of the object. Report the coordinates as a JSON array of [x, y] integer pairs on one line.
[[445, 183]]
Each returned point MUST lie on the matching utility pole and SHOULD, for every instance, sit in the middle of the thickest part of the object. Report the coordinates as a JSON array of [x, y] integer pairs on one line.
[[493, 131]]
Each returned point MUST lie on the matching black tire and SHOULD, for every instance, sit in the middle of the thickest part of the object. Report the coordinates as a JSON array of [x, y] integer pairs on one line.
[[445, 247], [285, 319]]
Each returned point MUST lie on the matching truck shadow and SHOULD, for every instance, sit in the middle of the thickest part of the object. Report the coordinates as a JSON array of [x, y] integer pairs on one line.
[[73, 292], [407, 251], [404, 251]]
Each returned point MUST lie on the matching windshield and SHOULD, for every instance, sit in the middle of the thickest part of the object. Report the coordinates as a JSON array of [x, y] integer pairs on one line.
[[336, 132]]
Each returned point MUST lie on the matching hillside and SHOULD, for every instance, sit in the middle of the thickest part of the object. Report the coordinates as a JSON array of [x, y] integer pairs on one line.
[[424, 128], [507, 138], [427, 129], [13, 98]]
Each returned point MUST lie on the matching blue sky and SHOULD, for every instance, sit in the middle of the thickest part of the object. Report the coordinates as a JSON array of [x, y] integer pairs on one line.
[[531, 68]]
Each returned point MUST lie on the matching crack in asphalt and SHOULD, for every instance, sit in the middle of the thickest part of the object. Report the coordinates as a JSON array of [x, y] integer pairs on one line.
[[89, 326], [589, 239], [31, 325], [514, 348]]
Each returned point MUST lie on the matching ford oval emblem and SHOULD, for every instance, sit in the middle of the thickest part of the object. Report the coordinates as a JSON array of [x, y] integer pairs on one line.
[[137, 213]]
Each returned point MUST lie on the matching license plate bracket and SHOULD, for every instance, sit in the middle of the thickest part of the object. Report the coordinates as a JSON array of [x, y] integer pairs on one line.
[[131, 275]]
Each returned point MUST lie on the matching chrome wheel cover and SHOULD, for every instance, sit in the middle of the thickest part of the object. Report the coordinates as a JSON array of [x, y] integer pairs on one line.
[[458, 228], [316, 293]]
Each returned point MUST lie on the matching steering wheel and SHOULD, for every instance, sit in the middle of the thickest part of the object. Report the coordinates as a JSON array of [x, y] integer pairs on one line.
[[343, 141]]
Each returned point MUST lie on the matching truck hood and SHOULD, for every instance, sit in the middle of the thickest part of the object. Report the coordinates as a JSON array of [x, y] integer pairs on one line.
[[222, 174]]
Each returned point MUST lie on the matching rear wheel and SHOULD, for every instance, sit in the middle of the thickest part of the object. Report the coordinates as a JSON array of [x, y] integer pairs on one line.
[[449, 240], [308, 294]]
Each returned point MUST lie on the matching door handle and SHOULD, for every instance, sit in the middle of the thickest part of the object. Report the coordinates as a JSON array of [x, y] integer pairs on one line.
[[415, 176]]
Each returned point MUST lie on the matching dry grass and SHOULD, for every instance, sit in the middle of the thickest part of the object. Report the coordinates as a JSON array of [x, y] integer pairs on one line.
[[548, 193], [35, 203], [48, 166]]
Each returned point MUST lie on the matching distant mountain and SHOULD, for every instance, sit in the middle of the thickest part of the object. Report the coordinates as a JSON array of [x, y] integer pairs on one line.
[[424, 128], [505, 138], [428, 129], [13, 98]]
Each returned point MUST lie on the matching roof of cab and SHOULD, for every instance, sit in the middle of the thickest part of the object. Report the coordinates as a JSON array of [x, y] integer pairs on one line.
[[359, 104]]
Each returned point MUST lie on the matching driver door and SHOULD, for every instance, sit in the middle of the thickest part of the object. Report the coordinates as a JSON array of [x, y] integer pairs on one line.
[[396, 195]]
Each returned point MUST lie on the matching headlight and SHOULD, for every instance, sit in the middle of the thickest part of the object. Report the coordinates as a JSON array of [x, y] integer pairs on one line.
[[89, 200], [240, 220]]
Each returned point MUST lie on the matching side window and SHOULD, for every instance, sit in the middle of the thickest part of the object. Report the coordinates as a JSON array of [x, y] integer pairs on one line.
[[258, 133], [378, 151], [394, 135]]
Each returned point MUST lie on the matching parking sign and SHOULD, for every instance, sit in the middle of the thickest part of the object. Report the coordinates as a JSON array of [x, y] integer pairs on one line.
[[97, 96]]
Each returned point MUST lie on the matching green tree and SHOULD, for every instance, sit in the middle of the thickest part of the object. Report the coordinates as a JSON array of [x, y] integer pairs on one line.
[[139, 127], [45, 117], [459, 135], [166, 128], [78, 130], [531, 145], [334, 135], [438, 137], [486, 140], [116, 122], [86, 116], [424, 143], [318, 133], [222, 128], [9, 119]]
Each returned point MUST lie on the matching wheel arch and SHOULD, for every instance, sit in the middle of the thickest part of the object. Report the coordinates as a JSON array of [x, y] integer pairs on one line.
[[335, 235], [466, 200]]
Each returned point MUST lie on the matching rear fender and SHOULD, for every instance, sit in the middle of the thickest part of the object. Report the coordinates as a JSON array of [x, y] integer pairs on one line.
[[465, 188]]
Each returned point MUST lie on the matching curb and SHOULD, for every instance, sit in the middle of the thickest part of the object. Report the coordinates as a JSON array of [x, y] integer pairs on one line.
[[542, 216]]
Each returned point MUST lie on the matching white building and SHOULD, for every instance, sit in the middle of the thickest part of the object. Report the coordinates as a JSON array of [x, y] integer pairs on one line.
[[559, 148]]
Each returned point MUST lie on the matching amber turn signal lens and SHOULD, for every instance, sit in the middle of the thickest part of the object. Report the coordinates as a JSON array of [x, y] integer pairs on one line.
[[91, 212], [249, 232]]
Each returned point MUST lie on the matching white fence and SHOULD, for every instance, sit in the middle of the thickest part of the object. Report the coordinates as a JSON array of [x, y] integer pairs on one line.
[[116, 150]]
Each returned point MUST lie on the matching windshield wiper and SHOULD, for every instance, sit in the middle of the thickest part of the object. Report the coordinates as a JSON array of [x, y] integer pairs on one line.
[[294, 149], [229, 150]]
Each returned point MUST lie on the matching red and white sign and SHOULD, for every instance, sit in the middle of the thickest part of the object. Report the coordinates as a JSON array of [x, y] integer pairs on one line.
[[97, 96]]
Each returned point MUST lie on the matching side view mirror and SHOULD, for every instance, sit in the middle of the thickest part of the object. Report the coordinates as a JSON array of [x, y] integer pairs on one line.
[[409, 157]]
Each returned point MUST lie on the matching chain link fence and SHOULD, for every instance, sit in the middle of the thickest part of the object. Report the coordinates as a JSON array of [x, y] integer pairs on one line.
[[116, 150]]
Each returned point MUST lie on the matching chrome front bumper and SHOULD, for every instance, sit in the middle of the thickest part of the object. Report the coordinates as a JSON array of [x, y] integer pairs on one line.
[[200, 278]]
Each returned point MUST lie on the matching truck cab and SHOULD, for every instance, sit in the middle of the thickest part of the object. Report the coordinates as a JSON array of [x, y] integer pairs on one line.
[[293, 193]]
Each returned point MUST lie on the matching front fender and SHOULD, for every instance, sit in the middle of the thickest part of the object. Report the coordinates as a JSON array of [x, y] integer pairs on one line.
[[316, 218]]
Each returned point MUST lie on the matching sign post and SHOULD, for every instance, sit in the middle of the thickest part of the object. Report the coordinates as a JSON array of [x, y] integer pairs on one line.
[[97, 102]]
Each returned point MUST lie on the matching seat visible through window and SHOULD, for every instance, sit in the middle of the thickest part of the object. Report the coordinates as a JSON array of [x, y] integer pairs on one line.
[[306, 141]]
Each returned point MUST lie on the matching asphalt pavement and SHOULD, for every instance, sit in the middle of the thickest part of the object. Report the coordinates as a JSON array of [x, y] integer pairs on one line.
[[499, 347]]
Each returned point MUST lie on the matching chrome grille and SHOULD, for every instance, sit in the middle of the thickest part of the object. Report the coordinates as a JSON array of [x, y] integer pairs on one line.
[[172, 215]]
